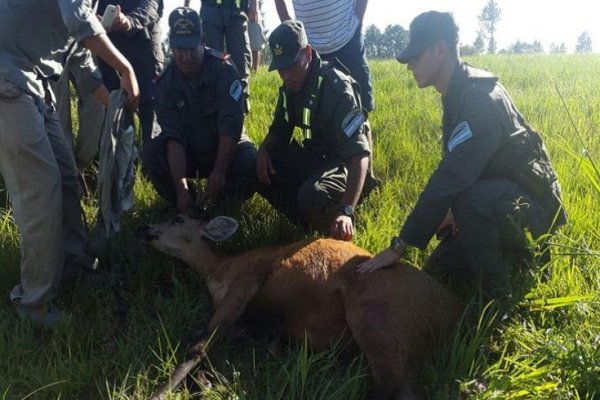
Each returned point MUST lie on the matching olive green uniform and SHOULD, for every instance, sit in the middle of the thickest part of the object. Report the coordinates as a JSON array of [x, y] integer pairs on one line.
[[319, 130], [495, 176]]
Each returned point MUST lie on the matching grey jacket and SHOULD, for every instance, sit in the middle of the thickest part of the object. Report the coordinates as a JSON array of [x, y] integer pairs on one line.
[[36, 37]]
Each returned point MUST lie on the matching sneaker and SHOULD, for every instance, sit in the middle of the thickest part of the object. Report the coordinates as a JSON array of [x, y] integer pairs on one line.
[[45, 314]]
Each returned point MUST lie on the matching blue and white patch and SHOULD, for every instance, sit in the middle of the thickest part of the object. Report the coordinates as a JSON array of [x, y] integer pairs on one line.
[[236, 90], [353, 121], [460, 134]]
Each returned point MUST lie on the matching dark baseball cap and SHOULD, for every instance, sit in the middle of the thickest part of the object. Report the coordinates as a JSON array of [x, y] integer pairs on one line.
[[285, 42], [185, 29], [425, 29]]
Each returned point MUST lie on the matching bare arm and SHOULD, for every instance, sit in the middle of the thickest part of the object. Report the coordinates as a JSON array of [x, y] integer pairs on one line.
[[102, 47], [177, 167], [216, 180], [342, 226], [360, 7], [282, 10]]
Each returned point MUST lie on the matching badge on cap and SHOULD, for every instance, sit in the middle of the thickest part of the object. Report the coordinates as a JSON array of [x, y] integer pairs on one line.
[[235, 90], [278, 50]]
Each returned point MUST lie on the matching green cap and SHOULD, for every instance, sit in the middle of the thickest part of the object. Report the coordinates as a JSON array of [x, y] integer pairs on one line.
[[426, 29], [285, 42]]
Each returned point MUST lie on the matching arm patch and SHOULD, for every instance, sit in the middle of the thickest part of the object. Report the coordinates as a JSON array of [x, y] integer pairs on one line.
[[236, 90], [353, 120], [460, 134]]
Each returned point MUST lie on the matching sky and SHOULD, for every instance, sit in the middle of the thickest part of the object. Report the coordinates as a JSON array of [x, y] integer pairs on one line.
[[548, 21]]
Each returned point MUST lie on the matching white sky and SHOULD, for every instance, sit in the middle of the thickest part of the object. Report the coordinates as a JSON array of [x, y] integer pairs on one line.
[[527, 20]]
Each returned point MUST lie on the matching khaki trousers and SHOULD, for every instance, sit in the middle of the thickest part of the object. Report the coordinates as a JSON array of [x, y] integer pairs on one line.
[[39, 172]]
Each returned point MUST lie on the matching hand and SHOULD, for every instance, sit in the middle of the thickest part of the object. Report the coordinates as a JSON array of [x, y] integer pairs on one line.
[[342, 228], [385, 258], [264, 167], [121, 23], [184, 201], [252, 14], [130, 85], [447, 223], [216, 184]]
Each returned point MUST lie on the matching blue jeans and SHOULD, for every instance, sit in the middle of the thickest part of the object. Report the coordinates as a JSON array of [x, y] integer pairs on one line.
[[354, 57]]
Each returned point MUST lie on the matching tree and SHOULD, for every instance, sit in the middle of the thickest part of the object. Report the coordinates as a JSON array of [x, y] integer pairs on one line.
[[584, 43], [373, 42], [488, 19], [395, 39], [558, 48], [525, 48], [479, 43]]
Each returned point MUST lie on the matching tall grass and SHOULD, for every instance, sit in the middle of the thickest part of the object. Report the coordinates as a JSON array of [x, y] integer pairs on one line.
[[123, 338]]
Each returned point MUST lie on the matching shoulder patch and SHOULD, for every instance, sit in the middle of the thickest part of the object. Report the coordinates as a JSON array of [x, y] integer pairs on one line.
[[460, 134], [352, 121], [236, 90]]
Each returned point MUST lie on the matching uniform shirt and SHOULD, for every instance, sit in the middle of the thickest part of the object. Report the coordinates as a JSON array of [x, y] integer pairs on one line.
[[195, 114], [484, 137], [329, 24], [144, 16], [37, 35], [337, 124]]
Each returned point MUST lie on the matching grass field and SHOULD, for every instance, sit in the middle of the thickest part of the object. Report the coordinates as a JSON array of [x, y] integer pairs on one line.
[[122, 339]]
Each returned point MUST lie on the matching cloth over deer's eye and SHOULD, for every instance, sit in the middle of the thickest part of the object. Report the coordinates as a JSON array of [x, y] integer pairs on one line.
[[178, 220]]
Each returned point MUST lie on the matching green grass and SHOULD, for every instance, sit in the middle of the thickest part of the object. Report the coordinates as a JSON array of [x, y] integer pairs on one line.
[[121, 341]]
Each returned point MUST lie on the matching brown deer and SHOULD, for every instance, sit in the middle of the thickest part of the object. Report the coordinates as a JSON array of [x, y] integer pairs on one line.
[[394, 315]]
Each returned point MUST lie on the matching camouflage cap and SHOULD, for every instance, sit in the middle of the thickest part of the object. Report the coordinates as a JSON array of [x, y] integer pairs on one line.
[[426, 29], [285, 42], [185, 29]]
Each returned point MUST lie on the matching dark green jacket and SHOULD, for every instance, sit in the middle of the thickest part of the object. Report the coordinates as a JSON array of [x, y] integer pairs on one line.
[[484, 137], [336, 127]]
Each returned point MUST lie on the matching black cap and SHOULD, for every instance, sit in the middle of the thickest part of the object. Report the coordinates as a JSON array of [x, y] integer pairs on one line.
[[186, 29], [285, 42], [425, 29]]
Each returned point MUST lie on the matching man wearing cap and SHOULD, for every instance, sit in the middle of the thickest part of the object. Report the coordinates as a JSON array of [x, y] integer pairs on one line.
[[36, 37], [313, 162], [494, 181], [199, 106]]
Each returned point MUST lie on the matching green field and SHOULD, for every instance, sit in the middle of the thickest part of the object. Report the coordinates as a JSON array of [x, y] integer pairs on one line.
[[123, 339]]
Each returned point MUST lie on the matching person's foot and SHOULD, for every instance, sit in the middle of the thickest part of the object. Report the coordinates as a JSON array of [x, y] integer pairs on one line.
[[45, 314], [84, 267]]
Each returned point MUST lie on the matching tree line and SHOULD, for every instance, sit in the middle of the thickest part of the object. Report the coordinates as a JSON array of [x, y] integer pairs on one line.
[[394, 38]]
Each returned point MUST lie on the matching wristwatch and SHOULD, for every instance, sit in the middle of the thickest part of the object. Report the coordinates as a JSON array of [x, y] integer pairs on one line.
[[397, 245], [348, 211]]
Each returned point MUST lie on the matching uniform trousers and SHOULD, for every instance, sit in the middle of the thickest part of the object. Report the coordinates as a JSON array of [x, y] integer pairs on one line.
[[240, 181], [90, 114], [38, 168], [226, 28], [306, 188], [492, 217]]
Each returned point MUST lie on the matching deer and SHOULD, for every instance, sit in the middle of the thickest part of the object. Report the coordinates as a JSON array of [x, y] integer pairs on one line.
[[394, 316]]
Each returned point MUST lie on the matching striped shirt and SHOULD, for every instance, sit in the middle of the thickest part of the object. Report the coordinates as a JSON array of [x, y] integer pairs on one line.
[[329, 24]]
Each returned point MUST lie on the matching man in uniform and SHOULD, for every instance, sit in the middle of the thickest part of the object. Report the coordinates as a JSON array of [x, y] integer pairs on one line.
[[495, 180], [136, 32], [38, 167], [313, 163], [199, 105], [225, 24]]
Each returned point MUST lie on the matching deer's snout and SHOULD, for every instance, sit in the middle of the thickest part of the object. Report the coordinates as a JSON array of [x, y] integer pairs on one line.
[[147, 233]]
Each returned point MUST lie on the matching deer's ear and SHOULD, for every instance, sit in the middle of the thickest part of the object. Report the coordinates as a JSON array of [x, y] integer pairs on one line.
[[220, 228]]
